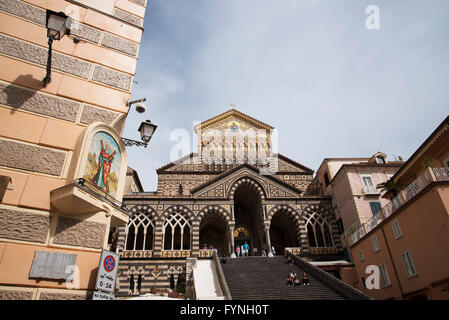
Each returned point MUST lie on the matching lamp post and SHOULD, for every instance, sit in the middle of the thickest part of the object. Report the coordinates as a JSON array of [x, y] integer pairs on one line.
[[58, 24], [146, 128]]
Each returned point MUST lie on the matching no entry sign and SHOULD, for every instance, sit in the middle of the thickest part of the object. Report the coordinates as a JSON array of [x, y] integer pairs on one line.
[[107, 271]]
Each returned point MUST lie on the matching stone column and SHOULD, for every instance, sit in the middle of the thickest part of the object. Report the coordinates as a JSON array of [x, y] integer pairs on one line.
[[231, 239], [267, 236], [195, 236]]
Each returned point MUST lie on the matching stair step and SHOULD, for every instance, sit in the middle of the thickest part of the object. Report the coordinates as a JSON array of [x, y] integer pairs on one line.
[[262, 278]]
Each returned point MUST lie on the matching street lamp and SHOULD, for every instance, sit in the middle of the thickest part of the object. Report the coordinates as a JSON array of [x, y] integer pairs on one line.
[[146, 128], [58, 24]]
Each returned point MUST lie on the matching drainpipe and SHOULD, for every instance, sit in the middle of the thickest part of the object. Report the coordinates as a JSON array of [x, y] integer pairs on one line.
[[392, 262]]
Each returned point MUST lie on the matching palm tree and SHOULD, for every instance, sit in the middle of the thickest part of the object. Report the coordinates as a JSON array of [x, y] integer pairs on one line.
[[391, 186]]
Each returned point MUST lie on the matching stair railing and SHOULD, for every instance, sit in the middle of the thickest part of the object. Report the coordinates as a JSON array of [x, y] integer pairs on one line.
[[221, 278]]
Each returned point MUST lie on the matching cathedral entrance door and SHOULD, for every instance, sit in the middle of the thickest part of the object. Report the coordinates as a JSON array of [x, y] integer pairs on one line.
[[248, 214], [242, 236]]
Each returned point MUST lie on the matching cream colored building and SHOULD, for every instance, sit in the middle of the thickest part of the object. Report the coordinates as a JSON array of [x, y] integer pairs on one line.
[[63, 163], [352, 184]]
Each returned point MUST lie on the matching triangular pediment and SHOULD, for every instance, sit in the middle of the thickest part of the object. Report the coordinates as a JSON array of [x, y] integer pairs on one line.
[[221, 186], [232, 118]]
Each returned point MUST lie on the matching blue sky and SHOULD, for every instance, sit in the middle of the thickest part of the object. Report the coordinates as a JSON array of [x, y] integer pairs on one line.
[[310, 68]]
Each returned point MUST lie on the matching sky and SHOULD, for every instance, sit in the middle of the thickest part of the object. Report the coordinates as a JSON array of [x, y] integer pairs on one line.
[[310, 68]]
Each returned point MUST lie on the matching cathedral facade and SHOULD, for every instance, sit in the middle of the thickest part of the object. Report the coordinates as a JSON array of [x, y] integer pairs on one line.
[[233, 190]]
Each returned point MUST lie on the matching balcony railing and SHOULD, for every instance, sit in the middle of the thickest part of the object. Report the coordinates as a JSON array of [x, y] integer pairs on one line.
[[430, 175], [441, 174]]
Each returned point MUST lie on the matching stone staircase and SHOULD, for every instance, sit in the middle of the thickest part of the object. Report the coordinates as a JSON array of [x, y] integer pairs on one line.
[[263, 278]]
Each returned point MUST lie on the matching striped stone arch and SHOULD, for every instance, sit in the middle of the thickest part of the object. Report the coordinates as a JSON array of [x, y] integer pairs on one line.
[[293, 213], [143, 209], [213, 208], [184, 210], [249, 181], [285, 207]]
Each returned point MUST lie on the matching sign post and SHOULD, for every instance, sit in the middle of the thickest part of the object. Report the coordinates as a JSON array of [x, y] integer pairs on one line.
[[106, 276]]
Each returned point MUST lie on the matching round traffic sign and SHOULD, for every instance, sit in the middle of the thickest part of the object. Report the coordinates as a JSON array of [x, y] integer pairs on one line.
[[109, 263]]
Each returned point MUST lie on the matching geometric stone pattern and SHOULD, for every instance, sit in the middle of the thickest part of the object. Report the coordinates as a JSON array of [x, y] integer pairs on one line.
[[92, 114], [120, 44], [24, 226], [31, 158], [168, 184], [113, 78], [80, 233], [128, 17], [64, 296], [23, 10], [299, 181], [31, 100], [87, 33], [15, 294]]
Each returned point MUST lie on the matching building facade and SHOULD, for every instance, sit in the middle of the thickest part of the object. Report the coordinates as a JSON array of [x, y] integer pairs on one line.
[[63, 163], [409, 239], [222, 199], [352, 184]]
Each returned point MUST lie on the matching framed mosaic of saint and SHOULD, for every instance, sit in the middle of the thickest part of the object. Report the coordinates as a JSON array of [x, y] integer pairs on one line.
[[102, 168]]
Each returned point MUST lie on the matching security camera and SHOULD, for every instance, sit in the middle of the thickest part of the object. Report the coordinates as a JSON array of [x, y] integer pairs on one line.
[[140, 108]]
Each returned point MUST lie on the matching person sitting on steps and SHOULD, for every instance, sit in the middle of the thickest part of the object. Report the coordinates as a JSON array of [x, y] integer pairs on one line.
[[296, 282], [289, 280], [305, 279]]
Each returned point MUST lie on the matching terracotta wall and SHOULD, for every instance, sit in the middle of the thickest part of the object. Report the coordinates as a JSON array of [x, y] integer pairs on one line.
[[39, 127], [425, 226]]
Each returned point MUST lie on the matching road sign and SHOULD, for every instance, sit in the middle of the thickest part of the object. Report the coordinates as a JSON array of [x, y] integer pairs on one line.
[[107, 271], [102, 296]]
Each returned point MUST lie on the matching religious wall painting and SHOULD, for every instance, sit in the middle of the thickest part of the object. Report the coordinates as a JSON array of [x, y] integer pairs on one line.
[[104, 159]]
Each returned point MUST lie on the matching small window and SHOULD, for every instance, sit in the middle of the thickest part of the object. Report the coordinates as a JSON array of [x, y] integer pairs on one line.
[[362, 257], [384, 275], [396, 229], [367, 181], [375, 207], [380, 160], [375, 243], [408, 263]]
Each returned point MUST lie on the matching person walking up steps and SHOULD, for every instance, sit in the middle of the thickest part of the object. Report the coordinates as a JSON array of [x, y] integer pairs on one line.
[[245, 248]]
